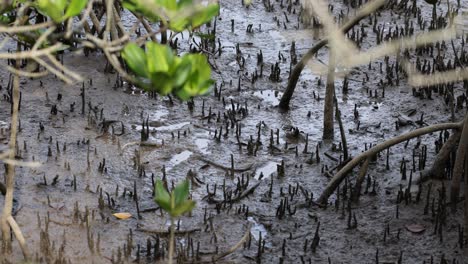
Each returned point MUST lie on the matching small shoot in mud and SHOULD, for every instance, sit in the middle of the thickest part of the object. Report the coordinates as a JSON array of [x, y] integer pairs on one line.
[[175, 204]]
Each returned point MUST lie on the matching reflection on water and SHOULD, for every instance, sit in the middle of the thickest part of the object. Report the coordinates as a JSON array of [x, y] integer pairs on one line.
[[269, 96], [266, 171], [178, 158], [258, 228]]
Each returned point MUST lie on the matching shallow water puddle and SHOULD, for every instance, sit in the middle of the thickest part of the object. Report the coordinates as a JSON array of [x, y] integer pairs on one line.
[[158, 115], [202, 144], [269, 96], [165, 128], [258, 228], [172, 127], [266, 170], [4, 124], [202, 141], [179, 158]]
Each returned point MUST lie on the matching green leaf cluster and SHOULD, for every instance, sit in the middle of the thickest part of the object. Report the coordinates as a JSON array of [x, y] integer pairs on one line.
[[178, 15], [60, 10], [159, 69], [175, 203]]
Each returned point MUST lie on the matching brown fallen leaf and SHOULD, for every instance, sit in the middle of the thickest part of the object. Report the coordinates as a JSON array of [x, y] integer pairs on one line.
[[122, 216], [415, 228]]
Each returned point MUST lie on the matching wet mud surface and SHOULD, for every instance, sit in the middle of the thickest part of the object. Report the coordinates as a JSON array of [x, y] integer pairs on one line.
[[93, 162]]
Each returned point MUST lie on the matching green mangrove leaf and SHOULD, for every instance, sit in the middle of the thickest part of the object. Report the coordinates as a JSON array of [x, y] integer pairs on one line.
[[162, 197], [159, 57], [137, 6], [135, 58], [179, 24], [183, 208], [184, 3], [182, 72], [203, 68], [205, 15], [166, 88], [162, 83], [198, 82], [51, 8], [204, 87], [60, 4], [5, 19], [181, 192], [184, 94], [168, 4], [162, 71], [179, 13], [75, 7]]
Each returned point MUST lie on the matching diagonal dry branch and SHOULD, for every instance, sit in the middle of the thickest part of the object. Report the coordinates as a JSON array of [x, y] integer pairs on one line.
[[351, 57], [22, 29], [341, 174], [363, 12]]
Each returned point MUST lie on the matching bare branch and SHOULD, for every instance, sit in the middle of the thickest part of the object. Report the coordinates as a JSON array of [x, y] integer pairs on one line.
[[341, 174]]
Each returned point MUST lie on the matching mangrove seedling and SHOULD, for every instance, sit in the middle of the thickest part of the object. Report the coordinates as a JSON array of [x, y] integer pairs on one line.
[[175, 204]]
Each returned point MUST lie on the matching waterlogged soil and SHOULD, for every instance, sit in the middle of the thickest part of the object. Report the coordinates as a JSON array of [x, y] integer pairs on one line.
[[92, 162]]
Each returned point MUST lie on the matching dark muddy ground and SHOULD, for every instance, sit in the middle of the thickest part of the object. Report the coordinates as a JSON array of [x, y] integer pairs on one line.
[[65, 207]]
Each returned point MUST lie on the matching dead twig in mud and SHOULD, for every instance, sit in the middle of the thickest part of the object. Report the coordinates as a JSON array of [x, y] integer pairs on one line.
[[166, 232], [141, 144], [344, 142], [296, 72], [149, 210], [237, 198], [459, 163], [328, 117], [218, 257], [438, 166], [341, 174], [217, 165], [330, 157]]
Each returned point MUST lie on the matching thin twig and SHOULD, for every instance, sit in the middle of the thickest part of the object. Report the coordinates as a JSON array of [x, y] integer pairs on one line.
[[31, 54], [22, 29]]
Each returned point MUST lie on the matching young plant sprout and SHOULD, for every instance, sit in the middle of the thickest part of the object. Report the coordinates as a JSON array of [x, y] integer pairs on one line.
[[175, 204]]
